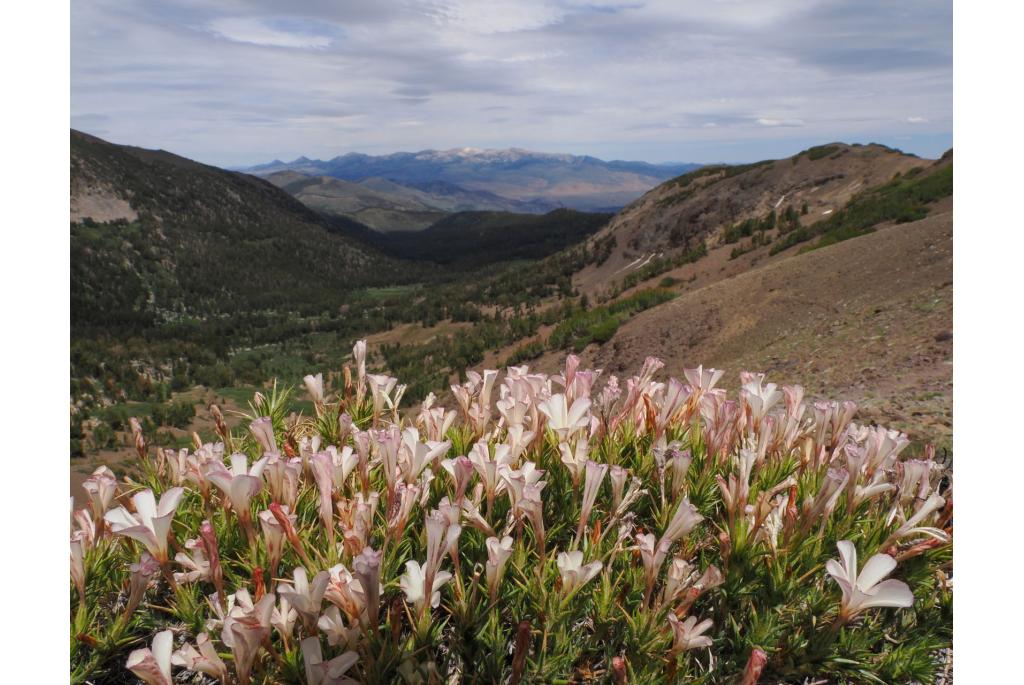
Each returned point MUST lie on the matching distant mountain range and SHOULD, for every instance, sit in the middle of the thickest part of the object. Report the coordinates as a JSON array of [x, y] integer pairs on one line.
[[473, 179]]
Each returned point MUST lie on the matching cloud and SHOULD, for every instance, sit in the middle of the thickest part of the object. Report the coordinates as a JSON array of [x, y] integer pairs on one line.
[[789, 123], [263, 32], [239, 81]]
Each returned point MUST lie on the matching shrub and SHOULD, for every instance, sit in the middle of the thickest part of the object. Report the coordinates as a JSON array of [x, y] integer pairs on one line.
[[662, 533]]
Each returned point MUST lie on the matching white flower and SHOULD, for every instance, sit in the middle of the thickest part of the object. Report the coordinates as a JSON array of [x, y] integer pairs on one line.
[[565, 420], [498, 553], [153, 666], [574, 573], [319, 672], [688, 634], [150, 523], [204, 660], [315, 387], [866, 589], [412, 583]]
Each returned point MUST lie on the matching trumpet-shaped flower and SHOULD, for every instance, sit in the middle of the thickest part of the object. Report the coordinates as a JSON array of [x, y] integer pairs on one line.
[[246, 627], [153, 666], [367, 568], [202, 660], [150, 523], [688, 634], [413, 584], [306, 596], [197, 566], [563, 419], [867, 588], [101, 487], [240, 484], [142, 574], [498, 553], [592, 484], [78, 568], [333, 626], [262, 430], [320, 672], [315, 387], [575, 574]]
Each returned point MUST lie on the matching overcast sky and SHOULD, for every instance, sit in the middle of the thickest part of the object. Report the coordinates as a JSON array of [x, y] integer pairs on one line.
[[235, 82]]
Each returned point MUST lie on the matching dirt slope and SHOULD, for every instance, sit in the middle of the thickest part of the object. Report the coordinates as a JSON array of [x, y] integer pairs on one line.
[[697, 207], [868, 319]]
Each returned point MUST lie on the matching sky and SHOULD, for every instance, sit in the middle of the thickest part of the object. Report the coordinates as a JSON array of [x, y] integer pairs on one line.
[[238, 82]]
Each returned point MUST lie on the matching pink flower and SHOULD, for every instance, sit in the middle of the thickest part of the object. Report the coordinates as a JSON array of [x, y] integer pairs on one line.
[[575, 574], [78, 568], [498, 553], [263, 430], [866, 589], [306, 597], [153, 666], [414, 584], [319, 672], [101, 487], [315, 387], [150, 523], [142, 574], [688, 634], [202, 660]]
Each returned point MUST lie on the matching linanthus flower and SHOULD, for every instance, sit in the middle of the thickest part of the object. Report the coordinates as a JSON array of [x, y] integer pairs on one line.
[[415, 456], [346, 592], [246, 627], [385, 392], [413, 584], [489, 469], [262, 430], [406, 497], [333, 626], [460, 469], [866, 589], [274, 536], [78, 569], [678, 464], [674, 401], [736, 492], [306, 596], [315, 387], [575, 574], [320, 672], [101, 487], [683, 521], [283, 618], [755, 664], [442, 537], [282, 478], [239, 484], [142, 574], [435, 421], [153, 665], [359, 355], [367, 571], [532, 506], [688, 634], [209, 540], [197, 566], [323, 474], [911, 526], [498, 553], [575, 458], [563, 419], [150, 523], [202, 660], [84, 528], [703, 380], [357, 516], [618, 477], [595, 473]]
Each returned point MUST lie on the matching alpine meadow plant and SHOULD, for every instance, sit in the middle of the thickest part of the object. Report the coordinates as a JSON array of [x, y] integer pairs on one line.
[[545, 528]]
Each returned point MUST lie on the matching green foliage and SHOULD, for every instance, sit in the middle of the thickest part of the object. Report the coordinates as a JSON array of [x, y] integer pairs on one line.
[[599, 324], [901, 200]]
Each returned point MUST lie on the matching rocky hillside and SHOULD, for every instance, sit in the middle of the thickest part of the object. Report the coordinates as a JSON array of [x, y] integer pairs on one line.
[[698, 208]]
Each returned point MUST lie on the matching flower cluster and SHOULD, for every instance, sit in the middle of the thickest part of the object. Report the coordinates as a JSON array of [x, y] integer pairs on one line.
[[547, 527]]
